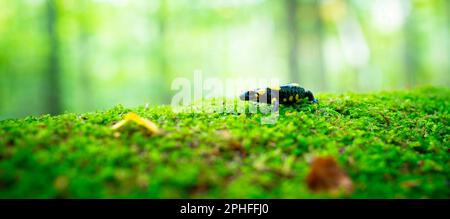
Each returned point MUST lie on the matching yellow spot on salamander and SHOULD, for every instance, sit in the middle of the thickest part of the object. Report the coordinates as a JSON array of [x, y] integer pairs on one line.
[[261, 92], [275, 88], [291, 98], [284, 100], [297, 97]]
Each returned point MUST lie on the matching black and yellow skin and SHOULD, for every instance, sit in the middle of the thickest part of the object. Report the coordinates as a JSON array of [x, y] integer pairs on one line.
[[288, 94]]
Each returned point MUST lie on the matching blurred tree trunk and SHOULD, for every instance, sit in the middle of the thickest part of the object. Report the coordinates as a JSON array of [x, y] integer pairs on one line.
[[3, 88], [320, 33], [162, 51], [412, 50], [85, 55], [292, 39], [447, 12], [52, 77], [85, 63]]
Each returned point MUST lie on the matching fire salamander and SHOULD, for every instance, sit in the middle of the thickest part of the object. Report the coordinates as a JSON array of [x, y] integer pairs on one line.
[[288, 94]]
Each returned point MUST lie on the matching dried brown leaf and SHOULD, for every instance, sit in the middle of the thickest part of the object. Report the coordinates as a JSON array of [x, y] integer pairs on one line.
[[327, 176]]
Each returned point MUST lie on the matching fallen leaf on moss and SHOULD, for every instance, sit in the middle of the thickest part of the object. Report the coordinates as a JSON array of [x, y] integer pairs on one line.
[[410, 184], [142, 181], [147, 124], [326, 176], [61, 183]]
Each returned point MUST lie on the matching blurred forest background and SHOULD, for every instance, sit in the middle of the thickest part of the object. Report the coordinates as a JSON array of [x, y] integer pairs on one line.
[[84, 55]]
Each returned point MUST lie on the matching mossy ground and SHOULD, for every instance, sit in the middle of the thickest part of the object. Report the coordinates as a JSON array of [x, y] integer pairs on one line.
[[391, 144]]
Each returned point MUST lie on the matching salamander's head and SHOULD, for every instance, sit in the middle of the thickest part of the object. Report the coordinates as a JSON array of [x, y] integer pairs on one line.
[[248, 95], [311, 98]]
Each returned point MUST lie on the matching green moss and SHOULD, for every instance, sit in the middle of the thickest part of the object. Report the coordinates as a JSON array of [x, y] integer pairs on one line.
[[392, 145]]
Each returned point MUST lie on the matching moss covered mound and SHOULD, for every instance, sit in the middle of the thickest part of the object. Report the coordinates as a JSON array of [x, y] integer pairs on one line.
[[391, 145]]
